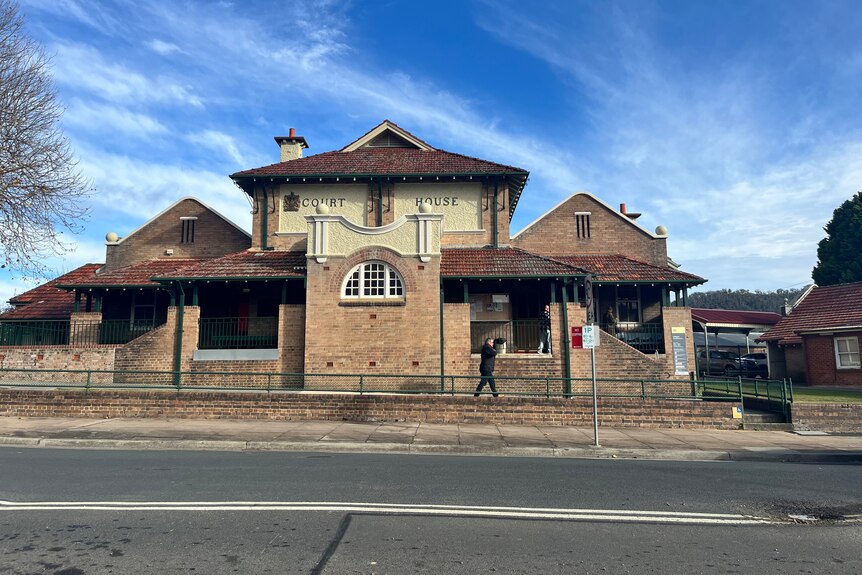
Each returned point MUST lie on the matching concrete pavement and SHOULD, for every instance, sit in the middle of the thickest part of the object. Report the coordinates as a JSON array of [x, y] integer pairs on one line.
[[422, 438]]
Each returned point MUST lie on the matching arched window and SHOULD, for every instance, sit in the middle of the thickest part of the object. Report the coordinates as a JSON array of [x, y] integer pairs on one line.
[[373, 280]]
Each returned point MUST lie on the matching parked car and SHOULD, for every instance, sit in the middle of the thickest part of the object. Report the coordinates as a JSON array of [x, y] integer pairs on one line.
[[760, 361], [727, 364]]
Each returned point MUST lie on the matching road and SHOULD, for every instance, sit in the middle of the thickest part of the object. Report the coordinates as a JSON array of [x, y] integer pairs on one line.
[[74, 512]]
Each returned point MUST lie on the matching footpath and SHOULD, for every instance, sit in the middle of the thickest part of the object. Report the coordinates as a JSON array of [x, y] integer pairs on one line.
[[422, 438]]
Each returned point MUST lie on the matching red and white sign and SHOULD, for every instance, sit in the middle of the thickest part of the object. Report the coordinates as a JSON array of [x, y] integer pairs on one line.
[[577, 337]]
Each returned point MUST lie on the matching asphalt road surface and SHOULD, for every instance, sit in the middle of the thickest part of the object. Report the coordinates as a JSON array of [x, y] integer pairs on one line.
[[73, 512]]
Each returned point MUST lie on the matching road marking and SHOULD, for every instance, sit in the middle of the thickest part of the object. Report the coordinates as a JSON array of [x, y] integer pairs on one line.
[[561, 514]]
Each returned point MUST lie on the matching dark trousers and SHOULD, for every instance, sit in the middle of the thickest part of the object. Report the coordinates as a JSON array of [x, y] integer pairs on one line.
[[487, 377]]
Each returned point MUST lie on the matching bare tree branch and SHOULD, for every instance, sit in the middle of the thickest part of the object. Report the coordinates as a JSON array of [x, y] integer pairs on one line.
[[41, 190]]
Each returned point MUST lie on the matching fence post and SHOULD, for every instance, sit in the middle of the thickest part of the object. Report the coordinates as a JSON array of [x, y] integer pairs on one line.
[[756, 392], [269, 383], [643, 390], [179, 379], [87, 385], [452, 383], [739, 386], [790, 385], [547, 388], [784, 400], [361, 383]]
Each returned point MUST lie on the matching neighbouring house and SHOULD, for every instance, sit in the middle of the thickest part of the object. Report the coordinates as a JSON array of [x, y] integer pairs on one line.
[[817, 342], [387, 256]]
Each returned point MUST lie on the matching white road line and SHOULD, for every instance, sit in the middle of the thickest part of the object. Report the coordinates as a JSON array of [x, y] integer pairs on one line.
[[620, 515]]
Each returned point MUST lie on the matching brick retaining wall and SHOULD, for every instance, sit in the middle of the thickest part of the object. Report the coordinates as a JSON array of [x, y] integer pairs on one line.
[[613, 412], [834, 417]]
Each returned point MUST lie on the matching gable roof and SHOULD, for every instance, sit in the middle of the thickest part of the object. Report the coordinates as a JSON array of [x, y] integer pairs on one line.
[[358, 160], [826, 308], [620, 268], [735, 317], [47, 301], [501, 262], [170, 207], [244, 265], [624, 217], [379, 130]]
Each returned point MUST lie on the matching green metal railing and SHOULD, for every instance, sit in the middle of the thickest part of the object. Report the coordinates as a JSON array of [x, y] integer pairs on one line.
[[520, 334], [549, 387], [77, 333], [772, 394], [644, 337], [238, 333]]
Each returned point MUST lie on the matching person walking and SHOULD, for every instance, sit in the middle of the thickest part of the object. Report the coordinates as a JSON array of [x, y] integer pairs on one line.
[[545, 330], [486, 368]]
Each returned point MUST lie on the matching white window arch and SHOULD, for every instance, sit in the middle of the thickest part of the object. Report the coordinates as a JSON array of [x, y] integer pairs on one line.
[[373, 280]]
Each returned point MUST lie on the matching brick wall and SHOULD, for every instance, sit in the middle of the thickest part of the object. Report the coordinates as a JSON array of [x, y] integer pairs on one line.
[[821, 365], [335, 407], [556, 233], [343, 336], [56, 357], [291, 338], [831, 417], [213, 237]]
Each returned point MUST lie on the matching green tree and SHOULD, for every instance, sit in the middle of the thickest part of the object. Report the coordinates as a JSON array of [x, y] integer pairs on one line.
[[40, 187], [839, 254]]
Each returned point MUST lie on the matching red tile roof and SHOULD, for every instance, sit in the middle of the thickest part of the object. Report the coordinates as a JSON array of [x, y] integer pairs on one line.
[[244, 265], [824, 308], [135, 275], [375, 161], [500, 262], [619, 268], [735, 316], [47, 301]]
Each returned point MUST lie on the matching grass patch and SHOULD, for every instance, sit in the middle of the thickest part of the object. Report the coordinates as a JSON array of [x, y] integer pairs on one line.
[[816, 395]]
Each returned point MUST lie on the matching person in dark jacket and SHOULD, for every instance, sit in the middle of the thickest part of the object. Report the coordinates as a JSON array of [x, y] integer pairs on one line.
[[545, 330], [486, 367]]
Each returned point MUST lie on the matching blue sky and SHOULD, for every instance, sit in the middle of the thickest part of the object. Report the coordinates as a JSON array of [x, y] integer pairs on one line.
[[733, 123]]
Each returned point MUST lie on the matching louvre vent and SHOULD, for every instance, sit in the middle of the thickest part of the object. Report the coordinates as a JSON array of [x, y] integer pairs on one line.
[[389, 140]]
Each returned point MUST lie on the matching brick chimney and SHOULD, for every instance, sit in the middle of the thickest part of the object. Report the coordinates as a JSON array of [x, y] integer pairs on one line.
[[291, 146]]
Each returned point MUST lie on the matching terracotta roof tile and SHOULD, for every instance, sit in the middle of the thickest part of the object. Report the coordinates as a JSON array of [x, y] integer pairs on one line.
[[735, 316], [616, 267], [47, 301], [365, 161], [500, 262], [136, 275], [245, 264], [824, 308]]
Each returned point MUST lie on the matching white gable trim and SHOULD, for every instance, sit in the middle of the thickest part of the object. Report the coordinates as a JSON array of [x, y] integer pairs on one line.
[[383, 127], [166, 210], [625, 218]]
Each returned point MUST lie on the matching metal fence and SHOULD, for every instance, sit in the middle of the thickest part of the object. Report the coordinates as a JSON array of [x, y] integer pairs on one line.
[[521, 335], [238, 333], [67, 332], [644, 337], [719, 390]]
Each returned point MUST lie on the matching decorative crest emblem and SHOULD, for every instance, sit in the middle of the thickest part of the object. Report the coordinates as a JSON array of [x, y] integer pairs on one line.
[[291, 202]]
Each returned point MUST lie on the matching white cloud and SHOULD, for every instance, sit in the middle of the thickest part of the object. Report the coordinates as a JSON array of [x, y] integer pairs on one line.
[[218, 142], [99, 117], [162, 47], [141, 188], [82, 68]]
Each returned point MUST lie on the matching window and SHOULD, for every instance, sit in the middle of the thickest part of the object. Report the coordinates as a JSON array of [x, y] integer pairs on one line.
[[143, 307], [373, 280], [628, 304], [187, 231], [847, 352], [582, 223]]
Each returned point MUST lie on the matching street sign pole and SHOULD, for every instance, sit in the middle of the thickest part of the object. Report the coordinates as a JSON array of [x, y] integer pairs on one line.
[[595, 392]]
